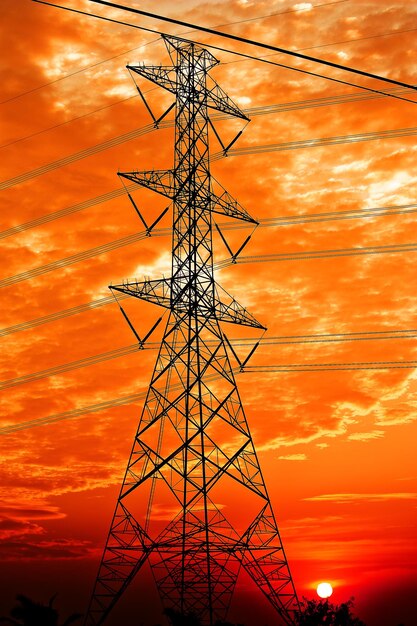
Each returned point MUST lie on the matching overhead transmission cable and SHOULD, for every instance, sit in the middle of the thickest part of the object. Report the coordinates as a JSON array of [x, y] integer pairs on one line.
[[268, 222], [252, 42], [332, 367], [50, 217], [258, 44], [328, 216], [116, 56], [284, 368], [287, 220], [317, 143], [74, 258], [73, 119], [252, 112], [291, 145], [59, 315], [71, 158], [128, 136], [73, 413], [319, 254], [92, 408], [260, 17], [282, 340], [135, 237], [260, 59]]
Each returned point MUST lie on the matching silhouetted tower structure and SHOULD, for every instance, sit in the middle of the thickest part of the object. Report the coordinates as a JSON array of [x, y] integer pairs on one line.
[[193, 461]]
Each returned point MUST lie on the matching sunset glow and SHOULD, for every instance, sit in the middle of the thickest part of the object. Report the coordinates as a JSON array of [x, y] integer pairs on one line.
[[329, 394]]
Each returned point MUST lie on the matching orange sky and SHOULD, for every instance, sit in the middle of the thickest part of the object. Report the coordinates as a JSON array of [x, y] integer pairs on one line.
[[337, 448]]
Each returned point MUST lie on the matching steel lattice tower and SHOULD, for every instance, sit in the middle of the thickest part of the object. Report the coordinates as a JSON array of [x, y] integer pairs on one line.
[[193, 442]]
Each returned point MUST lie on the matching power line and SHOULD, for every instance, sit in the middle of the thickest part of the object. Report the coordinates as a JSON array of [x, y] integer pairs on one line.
[[283, 340], [262, 17], [116, 56], [75, 258], [319, 254], [58, 315], [291, 145], [78, 412], [92, 408], [50, 217], [74, 119], [252, 112], [338, 43], [105, 107], [319, 102], [277, 221], [332, 367], [365, 335], [93, 65], [68, 367], [255, 111], [135, 237], [130, 399], [274, 222], [338, 251], [251, 42], [287, 220], [330, 216], [110, 143], [317, 143], [74, 73], [243, 55]]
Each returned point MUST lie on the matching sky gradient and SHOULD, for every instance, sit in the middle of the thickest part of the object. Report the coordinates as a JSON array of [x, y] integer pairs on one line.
[[337, 448]]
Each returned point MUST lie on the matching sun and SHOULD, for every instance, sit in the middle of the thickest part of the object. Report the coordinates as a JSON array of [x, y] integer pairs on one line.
[[324, 590]]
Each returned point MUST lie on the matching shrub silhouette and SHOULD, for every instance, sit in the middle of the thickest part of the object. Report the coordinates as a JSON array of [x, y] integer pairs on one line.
[[179, 619], [30, 613], [324, 613]]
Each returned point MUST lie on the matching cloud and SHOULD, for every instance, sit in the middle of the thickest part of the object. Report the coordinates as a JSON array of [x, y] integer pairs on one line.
[[375, 434], [10, 528], [23, 538], [303, 6], [18, 522], [46, 550], [33, 511], [342, 498], [293, 440], [294, 457]]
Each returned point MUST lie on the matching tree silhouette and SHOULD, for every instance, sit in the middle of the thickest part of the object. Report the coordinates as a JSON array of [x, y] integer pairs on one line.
[[324, 613], [180, 619], [30, 613]]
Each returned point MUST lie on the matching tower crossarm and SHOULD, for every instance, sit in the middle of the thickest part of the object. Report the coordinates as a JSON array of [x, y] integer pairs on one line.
[[237, 314], [211, 93], [156, 291], [161, 181], [164, 183], [219, 100], [161, 75], [224, 204], [159, 292], [215, 97]]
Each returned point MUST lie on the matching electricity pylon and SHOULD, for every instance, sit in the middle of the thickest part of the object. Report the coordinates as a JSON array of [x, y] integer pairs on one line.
[[193, 454]]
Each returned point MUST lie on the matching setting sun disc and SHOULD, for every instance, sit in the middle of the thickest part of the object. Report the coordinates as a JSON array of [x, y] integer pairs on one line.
[[324, 590]]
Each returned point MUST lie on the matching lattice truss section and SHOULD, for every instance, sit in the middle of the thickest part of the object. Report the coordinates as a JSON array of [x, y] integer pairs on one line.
[[193, 461]]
